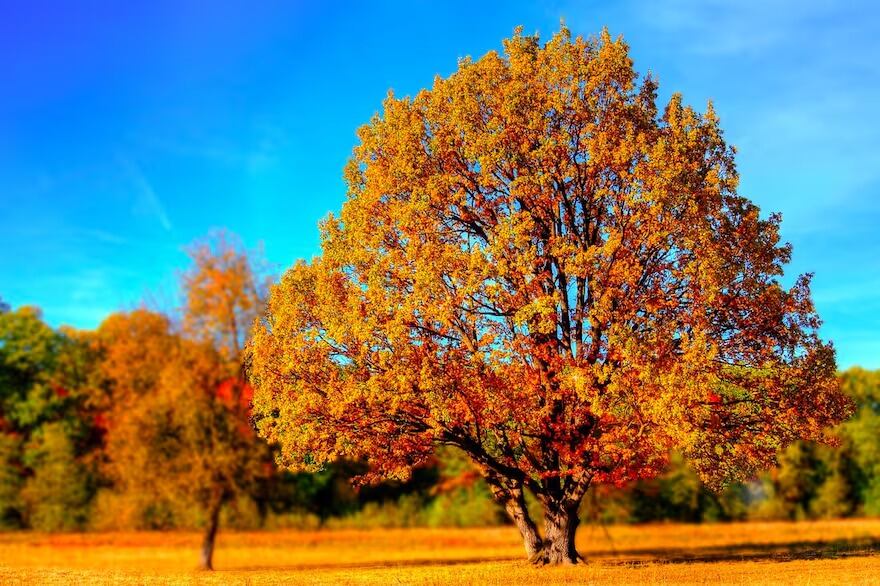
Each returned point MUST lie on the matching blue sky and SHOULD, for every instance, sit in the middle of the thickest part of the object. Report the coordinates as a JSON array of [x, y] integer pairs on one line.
[[129, 129]]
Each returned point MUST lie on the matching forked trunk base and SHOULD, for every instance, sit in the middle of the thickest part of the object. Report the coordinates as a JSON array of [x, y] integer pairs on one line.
[[558, 546]]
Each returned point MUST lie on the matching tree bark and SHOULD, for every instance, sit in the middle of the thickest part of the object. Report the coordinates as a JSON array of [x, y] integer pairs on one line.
[[560, 517], [511, 496], [519, 514], [560, 525], [207, 558]]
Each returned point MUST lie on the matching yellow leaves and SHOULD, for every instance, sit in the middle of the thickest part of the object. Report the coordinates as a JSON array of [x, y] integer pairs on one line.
[[539, 316], [135, 347], [223, 292], [583, 382], [526, 247], [176, 422]]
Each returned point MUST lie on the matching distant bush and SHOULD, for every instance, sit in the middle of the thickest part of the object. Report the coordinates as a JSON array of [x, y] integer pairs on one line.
[[292, 520], [58, 495]]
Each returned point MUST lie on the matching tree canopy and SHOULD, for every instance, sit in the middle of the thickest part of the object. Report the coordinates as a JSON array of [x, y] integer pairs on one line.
[[537, 265]]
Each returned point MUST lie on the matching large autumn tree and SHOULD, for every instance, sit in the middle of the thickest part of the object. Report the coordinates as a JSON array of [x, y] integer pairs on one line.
[[536, 265]]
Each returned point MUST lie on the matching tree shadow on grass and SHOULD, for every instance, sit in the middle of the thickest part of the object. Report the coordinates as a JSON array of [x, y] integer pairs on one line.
[[741, 552], [382, 565], [747, 552]]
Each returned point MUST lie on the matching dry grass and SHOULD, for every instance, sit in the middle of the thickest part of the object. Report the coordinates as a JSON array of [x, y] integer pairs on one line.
[[756, 553]]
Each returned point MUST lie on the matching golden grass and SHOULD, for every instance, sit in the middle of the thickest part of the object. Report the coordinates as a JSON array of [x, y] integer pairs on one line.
[[754, 553]]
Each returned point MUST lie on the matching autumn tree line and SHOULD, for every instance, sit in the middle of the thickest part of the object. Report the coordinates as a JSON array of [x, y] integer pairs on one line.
[[144, 423]]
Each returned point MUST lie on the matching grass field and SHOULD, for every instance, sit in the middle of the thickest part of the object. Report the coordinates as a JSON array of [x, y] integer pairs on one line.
[[842, 552]]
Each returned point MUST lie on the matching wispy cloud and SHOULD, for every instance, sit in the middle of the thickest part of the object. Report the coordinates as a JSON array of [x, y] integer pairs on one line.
[[715, 28], [261, 148], [147, 200], [795, 94], [103, 236]]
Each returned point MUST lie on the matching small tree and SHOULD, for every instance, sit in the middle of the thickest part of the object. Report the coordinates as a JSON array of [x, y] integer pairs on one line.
[[179, 435], [180, 423], [537, 267], [224, 291], [142, 442]]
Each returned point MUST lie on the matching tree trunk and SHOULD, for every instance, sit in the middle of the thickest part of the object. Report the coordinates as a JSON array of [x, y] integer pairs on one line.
[[560, 524], [519, 514], [560, 518], [207, 559], [513, 499]]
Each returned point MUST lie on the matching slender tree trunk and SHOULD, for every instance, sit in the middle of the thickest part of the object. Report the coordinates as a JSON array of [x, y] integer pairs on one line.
[[513, 500], [519, 514], [207, 558]]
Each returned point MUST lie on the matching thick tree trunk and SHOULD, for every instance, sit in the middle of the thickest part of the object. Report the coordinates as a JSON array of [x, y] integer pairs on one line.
[[206, 561], [560, 518], [560, 524]]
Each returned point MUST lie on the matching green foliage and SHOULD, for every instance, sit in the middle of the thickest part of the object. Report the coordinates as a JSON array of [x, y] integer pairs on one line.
[[797, 479], [310, 498], [461, 496], [871, 497], [406, 511], [676, 495], [11, 481], [861, 436], [58, 494], [28, 353], [447, 492], [832, 498], [466, 507], [813, 481], [48, 437]]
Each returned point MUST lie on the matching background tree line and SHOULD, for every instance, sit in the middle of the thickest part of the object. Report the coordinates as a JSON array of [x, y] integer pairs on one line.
[[143, 423]]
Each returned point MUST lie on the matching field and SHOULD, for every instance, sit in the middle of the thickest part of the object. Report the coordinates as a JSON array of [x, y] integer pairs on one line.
[[764, 553]]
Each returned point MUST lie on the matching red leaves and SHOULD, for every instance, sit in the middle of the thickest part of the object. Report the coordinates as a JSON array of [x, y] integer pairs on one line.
[[235, 393], [101, 421]]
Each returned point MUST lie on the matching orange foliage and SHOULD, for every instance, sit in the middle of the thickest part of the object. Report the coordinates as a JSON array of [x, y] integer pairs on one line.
[[224, 289], [536, 265], [176, 405]]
